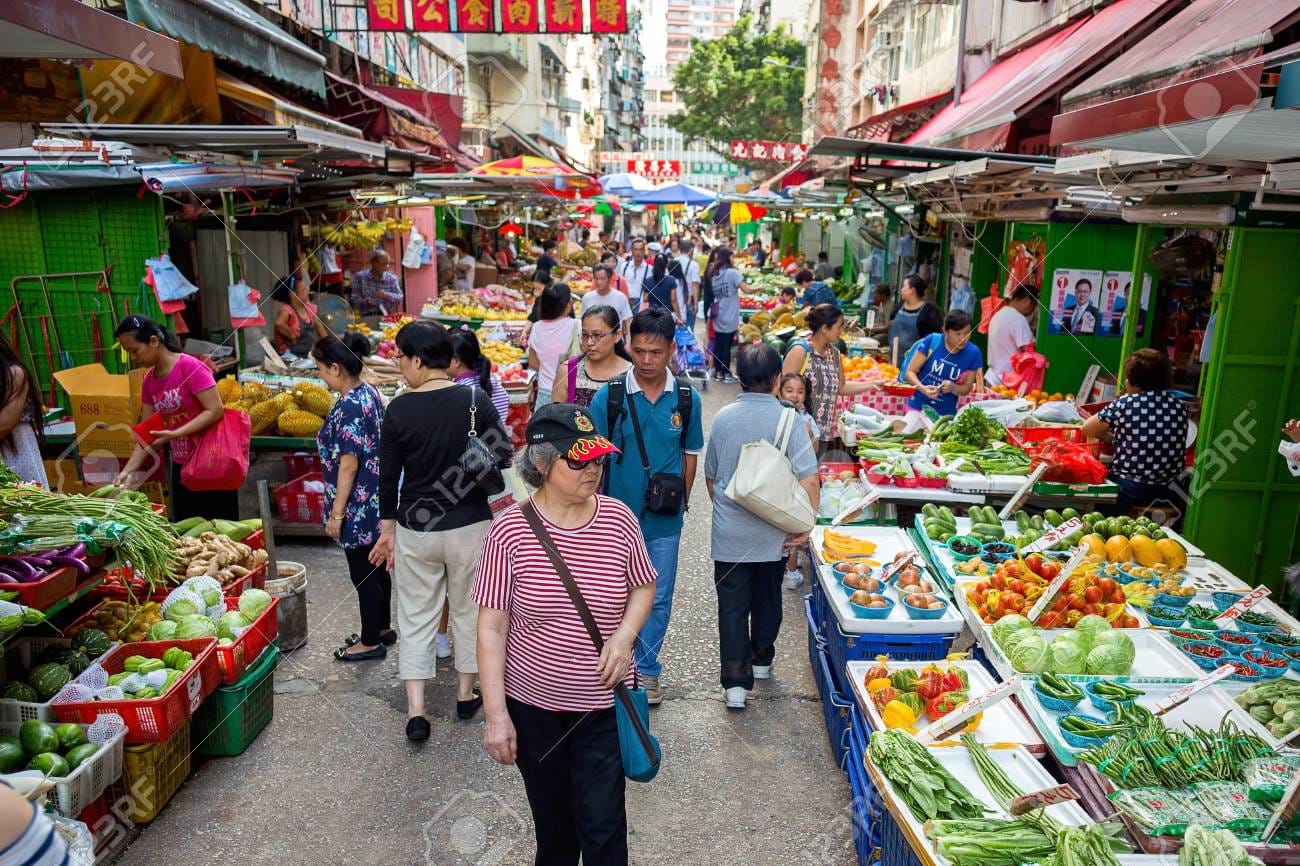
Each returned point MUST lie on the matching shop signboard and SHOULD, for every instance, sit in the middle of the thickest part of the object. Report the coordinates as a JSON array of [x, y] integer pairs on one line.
[[656, 169], [769, 151]]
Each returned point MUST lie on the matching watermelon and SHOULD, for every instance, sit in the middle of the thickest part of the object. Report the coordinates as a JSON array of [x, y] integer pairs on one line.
[[48, 678], [37, 737], [49, 763], [10, 738], [70, 736], [92, 642], [12, 757], [74, 660], [77, 755], [17, 690]]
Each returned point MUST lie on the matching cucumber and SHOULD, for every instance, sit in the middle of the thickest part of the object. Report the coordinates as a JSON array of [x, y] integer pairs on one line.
[[1022, 521], [930, 510], [1053, 517], [1070, 514], [989, 530], [975, 514], [991, 515], [946, 513], [1038, 523]]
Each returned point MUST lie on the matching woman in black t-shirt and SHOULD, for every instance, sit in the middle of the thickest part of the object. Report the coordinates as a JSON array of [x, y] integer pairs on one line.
[[432, 517]]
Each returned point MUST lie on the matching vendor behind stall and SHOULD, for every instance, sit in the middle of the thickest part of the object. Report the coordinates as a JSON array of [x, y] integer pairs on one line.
[[295, 309], [943, 366], [181, 388], [1148, 428], [376, 287], [1010, 332]]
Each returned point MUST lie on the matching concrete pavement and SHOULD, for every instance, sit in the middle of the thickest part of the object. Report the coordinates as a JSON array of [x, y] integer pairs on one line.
[[333, 780]]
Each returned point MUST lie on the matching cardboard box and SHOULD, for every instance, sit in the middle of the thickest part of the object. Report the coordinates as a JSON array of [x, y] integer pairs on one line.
[[104, 407], [485, 275], [63, 475]]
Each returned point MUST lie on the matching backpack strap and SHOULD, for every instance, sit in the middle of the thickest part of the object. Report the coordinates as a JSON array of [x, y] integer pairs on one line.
[[614, 416], [573, 375], [685, 406]]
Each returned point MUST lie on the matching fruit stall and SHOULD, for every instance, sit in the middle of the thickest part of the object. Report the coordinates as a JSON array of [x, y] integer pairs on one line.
[[1120, 698], [133, 649]]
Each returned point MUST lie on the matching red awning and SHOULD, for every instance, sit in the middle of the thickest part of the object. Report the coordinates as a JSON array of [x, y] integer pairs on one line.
[[446, 110], [381, 117], [1015, 86], [1206, 37], [899, 122]]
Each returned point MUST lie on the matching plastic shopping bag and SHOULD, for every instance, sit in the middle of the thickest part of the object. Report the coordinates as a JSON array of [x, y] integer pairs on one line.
[[220, 457], [244, 309], [168, 281], [1067, 462], [1027, 368], [414, 245]]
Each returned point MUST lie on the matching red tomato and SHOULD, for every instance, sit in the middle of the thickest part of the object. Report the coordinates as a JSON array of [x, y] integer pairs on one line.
[[1050, 570], [998, 581], [1062, 602], [982, 587], [1034, 561], [1017, 586], [1051, 619], [1092, 595], [1107, 585], [1089, 609], [1117, 597], [1130, 621], [1076, 602]]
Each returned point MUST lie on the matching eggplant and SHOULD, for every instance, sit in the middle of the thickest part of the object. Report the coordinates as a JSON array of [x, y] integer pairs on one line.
[[19, 565], [80, 565], [77, 551], [6, 577]]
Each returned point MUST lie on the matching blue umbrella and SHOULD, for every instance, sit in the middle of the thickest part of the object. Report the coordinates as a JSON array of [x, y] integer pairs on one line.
[[625, 184], [678, 193]]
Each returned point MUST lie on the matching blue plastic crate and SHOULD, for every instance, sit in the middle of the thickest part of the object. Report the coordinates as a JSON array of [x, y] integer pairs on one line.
[[895, 850], [837, 711], [844, 648], [867, 807]]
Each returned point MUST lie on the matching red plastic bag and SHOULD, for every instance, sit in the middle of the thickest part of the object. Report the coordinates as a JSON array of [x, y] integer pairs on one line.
[[1067, 462], [1027, 367], [220, 457], [988, 307]]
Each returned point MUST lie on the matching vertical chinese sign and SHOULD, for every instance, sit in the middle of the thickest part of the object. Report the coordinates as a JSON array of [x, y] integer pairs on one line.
[[386, 14], [563, 16], [830, 83], [431, 15], [519, 16], [474, 16], [608, 16]]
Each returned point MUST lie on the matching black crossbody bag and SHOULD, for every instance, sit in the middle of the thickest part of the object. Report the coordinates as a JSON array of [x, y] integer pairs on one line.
[[665, 492]]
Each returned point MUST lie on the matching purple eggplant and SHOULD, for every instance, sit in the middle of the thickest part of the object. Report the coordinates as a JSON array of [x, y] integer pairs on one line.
[[80, 565], [6, 577], [20, 565], [77, 551]]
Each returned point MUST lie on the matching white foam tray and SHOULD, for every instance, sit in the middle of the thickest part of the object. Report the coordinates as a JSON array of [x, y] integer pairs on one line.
[[1002, 723], [1156, 657]]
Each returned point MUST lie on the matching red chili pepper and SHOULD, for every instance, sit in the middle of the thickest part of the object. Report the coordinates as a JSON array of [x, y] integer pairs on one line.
[[1210, 652], [1244, 669], [1265, 659], [1236, 638]]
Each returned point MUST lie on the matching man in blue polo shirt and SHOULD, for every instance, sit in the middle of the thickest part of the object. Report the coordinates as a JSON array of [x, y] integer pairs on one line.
[[668, 414]]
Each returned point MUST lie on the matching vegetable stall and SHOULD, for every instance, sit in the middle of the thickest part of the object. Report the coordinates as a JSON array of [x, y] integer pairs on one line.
[[1122, 700]]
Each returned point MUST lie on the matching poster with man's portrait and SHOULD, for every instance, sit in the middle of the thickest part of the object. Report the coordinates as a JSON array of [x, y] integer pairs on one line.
[[1076, 302], [1117, 288]]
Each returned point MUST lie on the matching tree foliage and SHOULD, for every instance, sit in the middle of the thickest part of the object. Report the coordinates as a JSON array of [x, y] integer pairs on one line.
[[730, 93]]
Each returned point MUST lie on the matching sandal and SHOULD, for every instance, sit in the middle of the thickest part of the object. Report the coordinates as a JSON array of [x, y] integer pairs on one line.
[[388, 638], [378, 652]]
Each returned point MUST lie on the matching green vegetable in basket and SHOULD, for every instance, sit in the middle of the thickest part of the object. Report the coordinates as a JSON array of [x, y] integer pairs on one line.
[[232, 622], [989, 842], [1055, 687], [149, 666], [252, 602], [70, 736], [48, 678], [922, 783], [49, 763], [132, 663], [1205, 847], [17, 690], [163, 629], [12, 757], [195, 627], [1067, 656], [78, 755], [1030, 654], [37, 737], [1083, 846]]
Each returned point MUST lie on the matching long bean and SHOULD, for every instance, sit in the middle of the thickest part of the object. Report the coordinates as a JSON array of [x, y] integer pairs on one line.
[[1003, 789]]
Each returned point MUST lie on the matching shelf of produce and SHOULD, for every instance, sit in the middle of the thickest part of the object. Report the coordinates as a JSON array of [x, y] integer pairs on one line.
[[82, 589], [1002, 724], [1207, 709]]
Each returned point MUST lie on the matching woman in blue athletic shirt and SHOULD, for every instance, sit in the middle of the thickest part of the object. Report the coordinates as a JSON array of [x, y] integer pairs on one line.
[[944, 365]]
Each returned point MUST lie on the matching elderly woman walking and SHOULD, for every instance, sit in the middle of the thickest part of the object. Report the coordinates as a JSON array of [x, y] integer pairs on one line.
[[747, 551], [547, 692], [432, 517]]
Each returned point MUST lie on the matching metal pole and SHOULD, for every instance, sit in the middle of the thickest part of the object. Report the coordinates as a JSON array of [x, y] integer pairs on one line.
[[960, 83]]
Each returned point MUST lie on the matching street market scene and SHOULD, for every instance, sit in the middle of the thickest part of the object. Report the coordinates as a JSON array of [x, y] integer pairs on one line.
[[482, 432]]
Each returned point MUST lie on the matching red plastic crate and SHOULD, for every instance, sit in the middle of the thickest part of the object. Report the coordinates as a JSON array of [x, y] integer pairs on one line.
[[257, 540], [1021, 436], [832, 469], [300, 463], [297, 505], [42, 594], [153, 720], [236, 657]]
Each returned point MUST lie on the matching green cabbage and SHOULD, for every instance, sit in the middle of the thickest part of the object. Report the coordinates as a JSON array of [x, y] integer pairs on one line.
[[1012, 638], [1066, 656], [163, 629], [1007, 625], [195, 626], [1120, 641], [1089, 627], [1108, 659], [183, 606], [252, 602], [1030, 654], [231, 623]]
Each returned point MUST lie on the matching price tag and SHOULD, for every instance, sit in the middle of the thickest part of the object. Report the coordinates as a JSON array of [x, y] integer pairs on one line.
[[895, 567], [1059, 581], [951, 723], [1018, 498], [1054, 535], [1247, 601], [1042, 799], [1286, 809], [1177, 697], [195, 686]]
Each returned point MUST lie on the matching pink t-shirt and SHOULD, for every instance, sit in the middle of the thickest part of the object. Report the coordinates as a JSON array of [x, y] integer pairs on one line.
[[551, 340], [174, 398]]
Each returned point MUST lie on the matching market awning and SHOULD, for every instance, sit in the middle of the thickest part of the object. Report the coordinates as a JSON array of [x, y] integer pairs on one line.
[[274, 111], [526, 141], [1012, 88], [381, 117], [446, 110], [231, 30], [71, 30], [259, 143], [900, 122]]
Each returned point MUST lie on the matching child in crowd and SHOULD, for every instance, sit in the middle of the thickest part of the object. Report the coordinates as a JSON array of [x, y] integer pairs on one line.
[[793, 389]]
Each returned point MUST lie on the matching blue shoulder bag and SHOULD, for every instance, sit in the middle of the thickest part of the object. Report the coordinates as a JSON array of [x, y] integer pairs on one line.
[[640, 748]]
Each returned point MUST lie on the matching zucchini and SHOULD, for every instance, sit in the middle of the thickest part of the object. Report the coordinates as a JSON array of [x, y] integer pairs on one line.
[[988, 530], [1038, 523], [1022, 521], [946, 513], [930, 510], [1053, 517]]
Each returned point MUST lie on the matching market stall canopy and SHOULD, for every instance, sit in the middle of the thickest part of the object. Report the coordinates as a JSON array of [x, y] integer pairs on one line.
[[231, 30], [678, 193], [526, 168], [625, 184], [71, 30], [899, 122], [270, 109], [381, 117], [1014, 87], [260, 143]]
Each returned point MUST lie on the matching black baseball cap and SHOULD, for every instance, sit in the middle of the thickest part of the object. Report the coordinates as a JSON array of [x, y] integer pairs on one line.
[[570, 428]]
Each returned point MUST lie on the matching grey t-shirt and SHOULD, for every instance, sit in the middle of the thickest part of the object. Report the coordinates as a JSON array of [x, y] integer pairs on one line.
[[726, 291], [739, 535]]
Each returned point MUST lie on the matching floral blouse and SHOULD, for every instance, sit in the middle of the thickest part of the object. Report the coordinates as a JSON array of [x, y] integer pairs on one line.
[[352, 427]]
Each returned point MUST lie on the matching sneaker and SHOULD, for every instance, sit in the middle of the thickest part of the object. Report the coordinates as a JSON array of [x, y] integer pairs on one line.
[[442, 646], [762, 672], [735, 697], [654, 693], [793, 579], [728, 379]]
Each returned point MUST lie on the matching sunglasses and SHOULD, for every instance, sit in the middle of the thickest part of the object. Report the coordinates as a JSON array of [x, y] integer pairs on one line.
[[579, 465]]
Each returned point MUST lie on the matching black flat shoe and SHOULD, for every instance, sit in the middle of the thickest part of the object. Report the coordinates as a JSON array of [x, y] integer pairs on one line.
[[417, 729], [465, 710], [375, 654], [387, 639]]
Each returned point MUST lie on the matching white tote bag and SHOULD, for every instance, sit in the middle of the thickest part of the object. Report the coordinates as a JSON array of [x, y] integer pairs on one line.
[[765, 483]]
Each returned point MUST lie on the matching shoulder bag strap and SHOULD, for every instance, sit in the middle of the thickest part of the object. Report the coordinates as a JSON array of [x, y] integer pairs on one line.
[[534, 519], [636, 428], [783, 428], [573, 376], [685, 408], [473, 412]]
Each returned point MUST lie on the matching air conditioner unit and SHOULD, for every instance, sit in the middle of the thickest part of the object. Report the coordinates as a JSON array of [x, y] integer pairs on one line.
[[883, 39]]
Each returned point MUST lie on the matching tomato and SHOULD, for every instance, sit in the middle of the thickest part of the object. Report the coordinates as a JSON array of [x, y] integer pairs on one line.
[[1089, 609], [979, 612], [988, 619], [1076, 602], [998, 581], [1051, 619], [1061, 603], [982, 587], [1117, 597], [1034, 561], [1050, 570], [1129, 621], [1107, 586], [1092, 595], [1015, 602], [1017, 586]]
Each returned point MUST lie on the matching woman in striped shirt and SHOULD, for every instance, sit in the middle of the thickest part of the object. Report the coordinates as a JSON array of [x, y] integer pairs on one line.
[[547, 694], [27, 836]]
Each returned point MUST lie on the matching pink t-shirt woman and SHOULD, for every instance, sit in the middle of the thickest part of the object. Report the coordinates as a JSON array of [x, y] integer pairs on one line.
[[173, 396]]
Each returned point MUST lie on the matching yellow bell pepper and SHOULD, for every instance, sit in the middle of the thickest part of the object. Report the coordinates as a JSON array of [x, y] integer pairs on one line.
[[973, 723], [897, 714], [876, 685]]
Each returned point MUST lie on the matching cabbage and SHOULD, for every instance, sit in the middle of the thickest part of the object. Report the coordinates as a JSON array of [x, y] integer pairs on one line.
[[1089, 627], [1119, 641], [1030, 654], [1066, 656], [232, 622], [163, 629], [1108, 660], [252, 602], [1011, 639], [195, 626], [1008, 624]]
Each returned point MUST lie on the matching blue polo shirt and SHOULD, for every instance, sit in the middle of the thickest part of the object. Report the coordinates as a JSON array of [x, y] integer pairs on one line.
[[661, 428]]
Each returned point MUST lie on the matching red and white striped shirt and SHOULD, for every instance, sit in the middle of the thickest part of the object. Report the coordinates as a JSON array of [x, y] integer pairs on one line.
[[550, 659]]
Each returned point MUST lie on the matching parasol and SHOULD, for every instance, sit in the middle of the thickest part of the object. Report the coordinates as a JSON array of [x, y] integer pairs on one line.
[[625, 184], [525, 167], [678, 193]]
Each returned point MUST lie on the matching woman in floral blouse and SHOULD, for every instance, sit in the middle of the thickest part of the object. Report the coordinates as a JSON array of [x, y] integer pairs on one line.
[[349, 453]]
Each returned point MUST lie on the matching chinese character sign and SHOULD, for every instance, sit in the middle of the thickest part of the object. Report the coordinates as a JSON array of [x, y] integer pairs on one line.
[[386, 14], [656, 169], [769, 151], [474, 16], [434, 15], [519, 16], [608, 16], [485, 16], [564, 16]]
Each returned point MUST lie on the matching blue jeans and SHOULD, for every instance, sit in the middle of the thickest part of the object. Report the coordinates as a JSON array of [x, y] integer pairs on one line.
[[663, 555]]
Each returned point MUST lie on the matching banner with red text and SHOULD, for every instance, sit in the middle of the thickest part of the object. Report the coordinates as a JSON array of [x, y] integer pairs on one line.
[[386, 14], [431, 15]]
